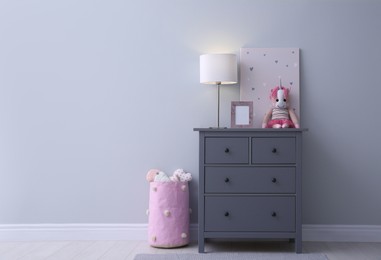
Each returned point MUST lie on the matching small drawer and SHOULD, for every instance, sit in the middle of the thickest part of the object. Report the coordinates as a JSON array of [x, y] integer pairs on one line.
[[226, 150], [250, 179], [273, 150], [250, 213]]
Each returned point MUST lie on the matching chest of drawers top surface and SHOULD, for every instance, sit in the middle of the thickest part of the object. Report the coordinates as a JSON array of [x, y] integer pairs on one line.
[[251, 130]]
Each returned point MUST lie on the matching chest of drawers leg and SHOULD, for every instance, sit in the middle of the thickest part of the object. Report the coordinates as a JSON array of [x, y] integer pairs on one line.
[[250, 184]]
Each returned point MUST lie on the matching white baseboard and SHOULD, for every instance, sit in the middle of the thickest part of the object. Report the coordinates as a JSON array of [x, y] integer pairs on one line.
[[73, 232], [342, 233], [28, 232], [43, 232]]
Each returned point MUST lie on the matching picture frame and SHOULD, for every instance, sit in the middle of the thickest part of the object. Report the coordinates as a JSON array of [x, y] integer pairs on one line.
[[241, 114]]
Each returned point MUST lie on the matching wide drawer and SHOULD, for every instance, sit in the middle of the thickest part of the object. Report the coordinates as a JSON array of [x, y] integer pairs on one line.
[[250, 213], [273, 150], [226, 150], [250, 179]]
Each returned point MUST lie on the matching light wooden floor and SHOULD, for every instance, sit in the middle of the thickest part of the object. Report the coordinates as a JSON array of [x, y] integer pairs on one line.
[[126, 250]]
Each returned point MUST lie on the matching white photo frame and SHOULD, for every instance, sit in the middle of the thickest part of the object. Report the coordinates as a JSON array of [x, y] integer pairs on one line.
[[242, 114]]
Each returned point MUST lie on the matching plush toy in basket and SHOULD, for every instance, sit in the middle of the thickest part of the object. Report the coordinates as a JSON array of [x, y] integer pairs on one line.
[[168, 214], [280, 115]]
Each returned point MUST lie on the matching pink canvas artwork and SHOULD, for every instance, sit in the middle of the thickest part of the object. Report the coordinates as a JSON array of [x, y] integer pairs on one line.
[[261, 70]]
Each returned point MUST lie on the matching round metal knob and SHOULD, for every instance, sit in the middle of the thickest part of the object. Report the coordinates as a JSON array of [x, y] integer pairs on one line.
[[273, 214], [227, 180], [273, 180], [227, 150], [227, 214], [274, 150]]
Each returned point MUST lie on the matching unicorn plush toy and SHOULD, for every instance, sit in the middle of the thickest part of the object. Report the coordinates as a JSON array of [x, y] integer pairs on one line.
[[280, 115]]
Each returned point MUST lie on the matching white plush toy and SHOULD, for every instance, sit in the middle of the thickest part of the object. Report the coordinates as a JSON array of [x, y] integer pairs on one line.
[[181, 175], [161, 177]]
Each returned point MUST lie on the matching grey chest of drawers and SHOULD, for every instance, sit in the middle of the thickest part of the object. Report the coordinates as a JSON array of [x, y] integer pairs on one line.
[[250, 183]]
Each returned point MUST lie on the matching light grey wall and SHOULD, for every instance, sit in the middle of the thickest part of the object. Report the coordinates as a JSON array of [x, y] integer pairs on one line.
[[95, 93]]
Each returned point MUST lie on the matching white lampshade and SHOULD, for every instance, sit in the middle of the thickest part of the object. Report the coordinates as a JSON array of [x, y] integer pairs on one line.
[[218, 69]]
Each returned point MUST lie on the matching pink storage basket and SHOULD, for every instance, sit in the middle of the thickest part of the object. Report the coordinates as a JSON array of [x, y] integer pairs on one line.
[[168, 223]]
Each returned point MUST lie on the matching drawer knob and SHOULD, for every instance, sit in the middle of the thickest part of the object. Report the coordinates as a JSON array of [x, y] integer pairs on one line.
[[273, 214], [227, 150], [227, 214], [274, 180], [227, 180], [274, 150]]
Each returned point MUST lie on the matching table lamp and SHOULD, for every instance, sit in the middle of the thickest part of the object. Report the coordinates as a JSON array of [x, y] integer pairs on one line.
[[218, 69]]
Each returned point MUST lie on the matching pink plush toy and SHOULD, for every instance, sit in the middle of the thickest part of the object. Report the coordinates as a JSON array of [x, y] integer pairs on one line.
[[280, 115], [150, 177]]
